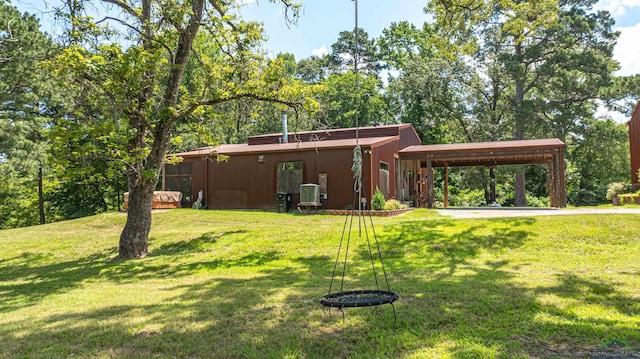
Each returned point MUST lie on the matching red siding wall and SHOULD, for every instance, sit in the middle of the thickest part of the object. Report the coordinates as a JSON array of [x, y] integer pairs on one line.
[[385, 153], [634, 143], [243, 182]]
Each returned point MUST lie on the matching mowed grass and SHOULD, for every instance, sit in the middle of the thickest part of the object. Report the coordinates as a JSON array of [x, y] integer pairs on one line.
[[241, 284]]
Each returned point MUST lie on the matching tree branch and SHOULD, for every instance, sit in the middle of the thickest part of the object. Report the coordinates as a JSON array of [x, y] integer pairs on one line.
[[128, 9], [131, 27], [192, 108]]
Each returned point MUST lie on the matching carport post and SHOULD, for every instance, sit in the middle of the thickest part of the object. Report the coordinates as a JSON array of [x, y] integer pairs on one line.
[[430, 185], [446, 185]]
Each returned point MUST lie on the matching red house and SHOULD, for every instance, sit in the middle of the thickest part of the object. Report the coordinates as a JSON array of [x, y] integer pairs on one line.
[[253, 173]]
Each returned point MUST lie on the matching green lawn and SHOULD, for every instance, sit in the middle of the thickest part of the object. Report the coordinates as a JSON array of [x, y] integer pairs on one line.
[[225, 284]]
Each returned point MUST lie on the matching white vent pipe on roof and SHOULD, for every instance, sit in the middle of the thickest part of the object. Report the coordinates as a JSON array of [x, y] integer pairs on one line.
[[285, 135]]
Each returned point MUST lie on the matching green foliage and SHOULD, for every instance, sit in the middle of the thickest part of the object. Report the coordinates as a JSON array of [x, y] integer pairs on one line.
[[338, 98], [27, 100], [341, 58], [428, 95], [468, 198], [393, 204], [403, 42], [128, 101], [378, 201], [535, 201], [539, 65], [597, 157], [622, 94], [618, 188]]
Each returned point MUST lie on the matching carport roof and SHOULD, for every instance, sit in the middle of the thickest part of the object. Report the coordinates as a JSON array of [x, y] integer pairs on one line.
[[485, 153]]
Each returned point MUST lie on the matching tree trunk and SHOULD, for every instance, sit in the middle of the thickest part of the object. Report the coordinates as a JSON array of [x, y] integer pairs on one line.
[[134, 238], [492, 185], [519, 129], [40, 196]]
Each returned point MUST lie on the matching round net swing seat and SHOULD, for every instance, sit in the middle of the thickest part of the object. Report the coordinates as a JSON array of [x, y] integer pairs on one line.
[[359, 298]]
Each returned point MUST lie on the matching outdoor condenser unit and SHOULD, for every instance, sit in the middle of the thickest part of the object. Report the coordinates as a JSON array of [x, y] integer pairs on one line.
[[309, 193]]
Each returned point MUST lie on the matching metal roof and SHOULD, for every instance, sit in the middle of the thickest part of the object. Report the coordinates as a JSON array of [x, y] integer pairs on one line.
[[198, 152], [485, 153], [337, 130], [235, 149]]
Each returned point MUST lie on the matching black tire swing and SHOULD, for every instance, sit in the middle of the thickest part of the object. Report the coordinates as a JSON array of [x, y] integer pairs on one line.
[[362, 297]]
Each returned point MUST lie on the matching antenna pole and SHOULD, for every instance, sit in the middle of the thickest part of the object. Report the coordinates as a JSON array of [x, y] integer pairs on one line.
[[355, 67], [357, 104]]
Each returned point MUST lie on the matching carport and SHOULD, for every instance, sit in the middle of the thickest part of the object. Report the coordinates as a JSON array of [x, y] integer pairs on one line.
[[499, 153]]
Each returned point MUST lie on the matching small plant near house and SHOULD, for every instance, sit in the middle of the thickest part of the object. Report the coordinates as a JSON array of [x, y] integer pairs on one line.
[[378, 201], [393, 204], [615, 189], [626, 198]]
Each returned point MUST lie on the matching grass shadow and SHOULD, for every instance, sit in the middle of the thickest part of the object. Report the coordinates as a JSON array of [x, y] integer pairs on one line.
[[199, 244]]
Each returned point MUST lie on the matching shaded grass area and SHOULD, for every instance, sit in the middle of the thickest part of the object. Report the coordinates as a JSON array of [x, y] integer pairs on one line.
[[224, 284]]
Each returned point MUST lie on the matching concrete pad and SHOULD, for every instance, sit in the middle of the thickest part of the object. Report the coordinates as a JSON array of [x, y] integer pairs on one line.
[[486, 212]]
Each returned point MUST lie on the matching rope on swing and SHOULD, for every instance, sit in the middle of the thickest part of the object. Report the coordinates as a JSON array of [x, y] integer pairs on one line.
[[357, 169]]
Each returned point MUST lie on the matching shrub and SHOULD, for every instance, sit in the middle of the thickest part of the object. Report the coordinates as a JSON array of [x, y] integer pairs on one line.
[[468, 198], [533, 201], [618, 188], [585, 197], [378, 201], [392, 204]]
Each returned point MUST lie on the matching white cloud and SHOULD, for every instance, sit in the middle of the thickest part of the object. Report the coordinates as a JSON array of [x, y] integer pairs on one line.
[[320, 52], [627, 51], [617, 7]]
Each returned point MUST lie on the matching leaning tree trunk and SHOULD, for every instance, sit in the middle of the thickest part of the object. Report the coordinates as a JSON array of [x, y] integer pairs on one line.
[[134, 238]]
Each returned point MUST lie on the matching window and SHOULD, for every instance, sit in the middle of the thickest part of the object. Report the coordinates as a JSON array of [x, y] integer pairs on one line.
[[178, 178], [384, 178], [289, 176]]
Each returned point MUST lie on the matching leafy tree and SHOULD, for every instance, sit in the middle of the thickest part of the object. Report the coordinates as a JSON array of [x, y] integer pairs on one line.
[[599, 156], [335, 80], [141, 88], [430, 95], [340, 101], [429, 88], [344, 50], [623, 94], [24, 109], [402, 42], [313, 70], [555, 56]]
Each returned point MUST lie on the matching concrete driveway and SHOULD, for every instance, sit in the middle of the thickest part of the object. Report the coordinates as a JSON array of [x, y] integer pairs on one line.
[[484, 212]]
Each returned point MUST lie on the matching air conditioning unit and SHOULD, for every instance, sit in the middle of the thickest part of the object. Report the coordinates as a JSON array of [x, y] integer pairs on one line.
[[309, 194]]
